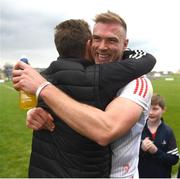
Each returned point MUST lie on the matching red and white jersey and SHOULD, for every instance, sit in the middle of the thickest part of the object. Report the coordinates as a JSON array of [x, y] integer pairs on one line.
[[125, 150]]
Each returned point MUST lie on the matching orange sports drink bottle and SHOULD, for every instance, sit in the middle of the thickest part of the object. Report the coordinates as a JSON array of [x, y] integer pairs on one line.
[[26, 100]]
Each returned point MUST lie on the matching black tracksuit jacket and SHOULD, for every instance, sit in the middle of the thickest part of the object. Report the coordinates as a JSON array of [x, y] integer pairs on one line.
[[159, 165]]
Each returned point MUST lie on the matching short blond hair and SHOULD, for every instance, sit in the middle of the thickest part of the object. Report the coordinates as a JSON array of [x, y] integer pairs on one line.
[[110, 17]]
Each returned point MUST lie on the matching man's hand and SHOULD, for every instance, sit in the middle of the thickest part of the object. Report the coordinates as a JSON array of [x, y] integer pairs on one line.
[[26, 78], [38, 118]]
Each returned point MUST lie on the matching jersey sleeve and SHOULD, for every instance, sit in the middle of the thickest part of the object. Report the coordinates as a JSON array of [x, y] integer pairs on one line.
[[139, 90]]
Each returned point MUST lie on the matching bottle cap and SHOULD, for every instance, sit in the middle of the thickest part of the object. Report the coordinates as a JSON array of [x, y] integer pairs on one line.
[[25, 60]]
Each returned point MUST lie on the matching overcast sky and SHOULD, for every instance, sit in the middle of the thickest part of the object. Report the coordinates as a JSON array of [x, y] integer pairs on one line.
[[27, 27]]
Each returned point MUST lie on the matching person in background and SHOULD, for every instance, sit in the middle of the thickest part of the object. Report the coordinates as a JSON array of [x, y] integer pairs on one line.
[[158, 151], [108, 44]]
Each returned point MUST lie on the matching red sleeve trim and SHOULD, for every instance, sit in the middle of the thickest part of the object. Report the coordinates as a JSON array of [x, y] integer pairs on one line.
[[141, 87]]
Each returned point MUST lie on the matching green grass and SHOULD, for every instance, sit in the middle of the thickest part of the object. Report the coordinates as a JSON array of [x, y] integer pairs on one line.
[[15, 138]]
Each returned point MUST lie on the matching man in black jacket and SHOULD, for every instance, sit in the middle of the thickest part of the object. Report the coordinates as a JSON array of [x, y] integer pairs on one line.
[[65, 152]]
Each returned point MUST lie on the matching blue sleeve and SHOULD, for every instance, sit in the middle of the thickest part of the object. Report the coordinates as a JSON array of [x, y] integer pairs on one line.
[[170, 157]]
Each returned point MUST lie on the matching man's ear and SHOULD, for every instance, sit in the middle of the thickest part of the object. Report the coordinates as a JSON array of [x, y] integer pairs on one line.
[[126, 42], [88, 55]]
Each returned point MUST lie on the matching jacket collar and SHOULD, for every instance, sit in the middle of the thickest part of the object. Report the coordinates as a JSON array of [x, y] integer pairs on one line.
[[79, 60]]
